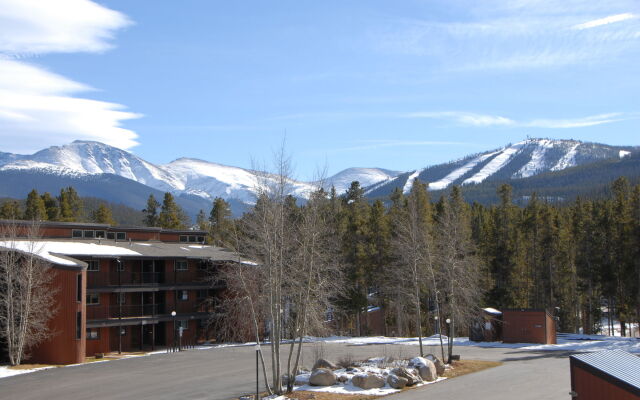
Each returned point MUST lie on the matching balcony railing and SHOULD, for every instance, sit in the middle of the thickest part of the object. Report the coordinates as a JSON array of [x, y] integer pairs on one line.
[[146, 310], [125, 311]]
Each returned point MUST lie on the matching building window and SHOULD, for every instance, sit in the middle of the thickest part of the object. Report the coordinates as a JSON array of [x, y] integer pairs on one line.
[[182, 265], [79, 325], [93, 333], [89, 234], [121, 298], [184, 238], [93, 299], [111, 235], [123, 331], [100, 234], [192, 239], [201, 239], [184, 324], [121, 236], [79, 287], [183, 295], [76, 233], [202, 294], [93, 265]]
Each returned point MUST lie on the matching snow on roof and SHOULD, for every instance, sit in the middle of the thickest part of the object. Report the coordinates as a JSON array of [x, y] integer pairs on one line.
[[51, 250], [492, 311]]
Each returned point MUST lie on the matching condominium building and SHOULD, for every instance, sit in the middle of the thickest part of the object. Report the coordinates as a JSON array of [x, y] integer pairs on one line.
[[122, 288]]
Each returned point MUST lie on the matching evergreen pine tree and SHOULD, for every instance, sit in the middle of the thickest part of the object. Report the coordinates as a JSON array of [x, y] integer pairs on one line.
[[103, 215], [10, 210], [220, 224], [51, 206], [171, 215], [70, 205], [34, 208], [151, 211]]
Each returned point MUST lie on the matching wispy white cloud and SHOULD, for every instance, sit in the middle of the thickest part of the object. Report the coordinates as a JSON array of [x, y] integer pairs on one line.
[[387, 143], [35, 26], [592, 120], [464, 118], [483, 120], [518, 35], [40, 108], [605, 21]]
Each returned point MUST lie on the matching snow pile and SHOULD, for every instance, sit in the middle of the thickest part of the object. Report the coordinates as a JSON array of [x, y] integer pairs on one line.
[[6, 372]]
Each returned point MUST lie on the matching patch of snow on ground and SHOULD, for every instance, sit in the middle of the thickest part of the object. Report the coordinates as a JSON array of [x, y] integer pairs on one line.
[[623, 153], [6, 372], [568, 160], [537, 159], [457, 173], [407, 186], [566, 342], [495, 165]]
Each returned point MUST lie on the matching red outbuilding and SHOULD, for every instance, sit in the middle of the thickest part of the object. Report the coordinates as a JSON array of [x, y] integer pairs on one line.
[[611, 374], [528, 326]]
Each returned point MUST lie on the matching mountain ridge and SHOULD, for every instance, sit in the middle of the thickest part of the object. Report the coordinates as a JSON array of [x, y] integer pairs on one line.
[[196, 181]]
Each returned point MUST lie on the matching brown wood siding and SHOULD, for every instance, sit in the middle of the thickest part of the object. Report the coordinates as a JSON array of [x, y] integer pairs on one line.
[[100, 345], [62, 347], [526, 327], [591, 387], [169, 237], [551, 329]]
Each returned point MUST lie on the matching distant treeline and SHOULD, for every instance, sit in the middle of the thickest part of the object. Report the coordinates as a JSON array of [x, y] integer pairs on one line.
[[67, 206]]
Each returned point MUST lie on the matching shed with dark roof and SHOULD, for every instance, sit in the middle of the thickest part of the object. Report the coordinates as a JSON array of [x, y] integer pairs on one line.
[[611, 374]]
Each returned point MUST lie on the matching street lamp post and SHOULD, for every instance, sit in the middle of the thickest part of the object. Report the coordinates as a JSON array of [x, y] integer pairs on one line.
[[173, 314], [449, 341]]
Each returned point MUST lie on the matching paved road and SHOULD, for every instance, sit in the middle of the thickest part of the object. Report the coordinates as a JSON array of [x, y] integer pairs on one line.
[[228, 372]]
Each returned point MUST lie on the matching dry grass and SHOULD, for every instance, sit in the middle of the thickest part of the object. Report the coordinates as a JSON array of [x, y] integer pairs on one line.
[[302, 395], [464, 367], [32, 366]]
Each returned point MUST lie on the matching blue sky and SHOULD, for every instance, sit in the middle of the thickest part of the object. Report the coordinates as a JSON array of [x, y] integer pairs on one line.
[[398, 85]]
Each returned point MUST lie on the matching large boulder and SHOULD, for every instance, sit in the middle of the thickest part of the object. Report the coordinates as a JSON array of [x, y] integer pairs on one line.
[[407, 374], [322, 377], [440, 368], [426, 368], [322, 363], [397, 382], [367, 381]]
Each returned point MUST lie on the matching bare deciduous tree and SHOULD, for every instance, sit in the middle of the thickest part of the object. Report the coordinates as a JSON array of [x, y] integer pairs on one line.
[[457, 264], [290, 289], [26, 295]]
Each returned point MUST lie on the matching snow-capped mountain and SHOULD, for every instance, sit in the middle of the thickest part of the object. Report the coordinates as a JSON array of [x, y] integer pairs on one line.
[[520, 160], [196, 182], [92, 158], [184, 176], [365, 176]]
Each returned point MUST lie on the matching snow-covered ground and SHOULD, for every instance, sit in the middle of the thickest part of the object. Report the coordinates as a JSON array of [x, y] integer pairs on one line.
[[6, 372], [566, 342]]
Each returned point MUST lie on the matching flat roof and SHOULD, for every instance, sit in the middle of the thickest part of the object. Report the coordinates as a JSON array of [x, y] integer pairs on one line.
[[64, 251], [620, 366], [97, 226]]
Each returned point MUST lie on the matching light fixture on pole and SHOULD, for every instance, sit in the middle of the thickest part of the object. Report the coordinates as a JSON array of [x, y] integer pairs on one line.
[[173, 315]]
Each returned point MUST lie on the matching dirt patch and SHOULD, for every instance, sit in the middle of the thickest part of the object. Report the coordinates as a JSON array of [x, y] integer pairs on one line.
[[463, 367]]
